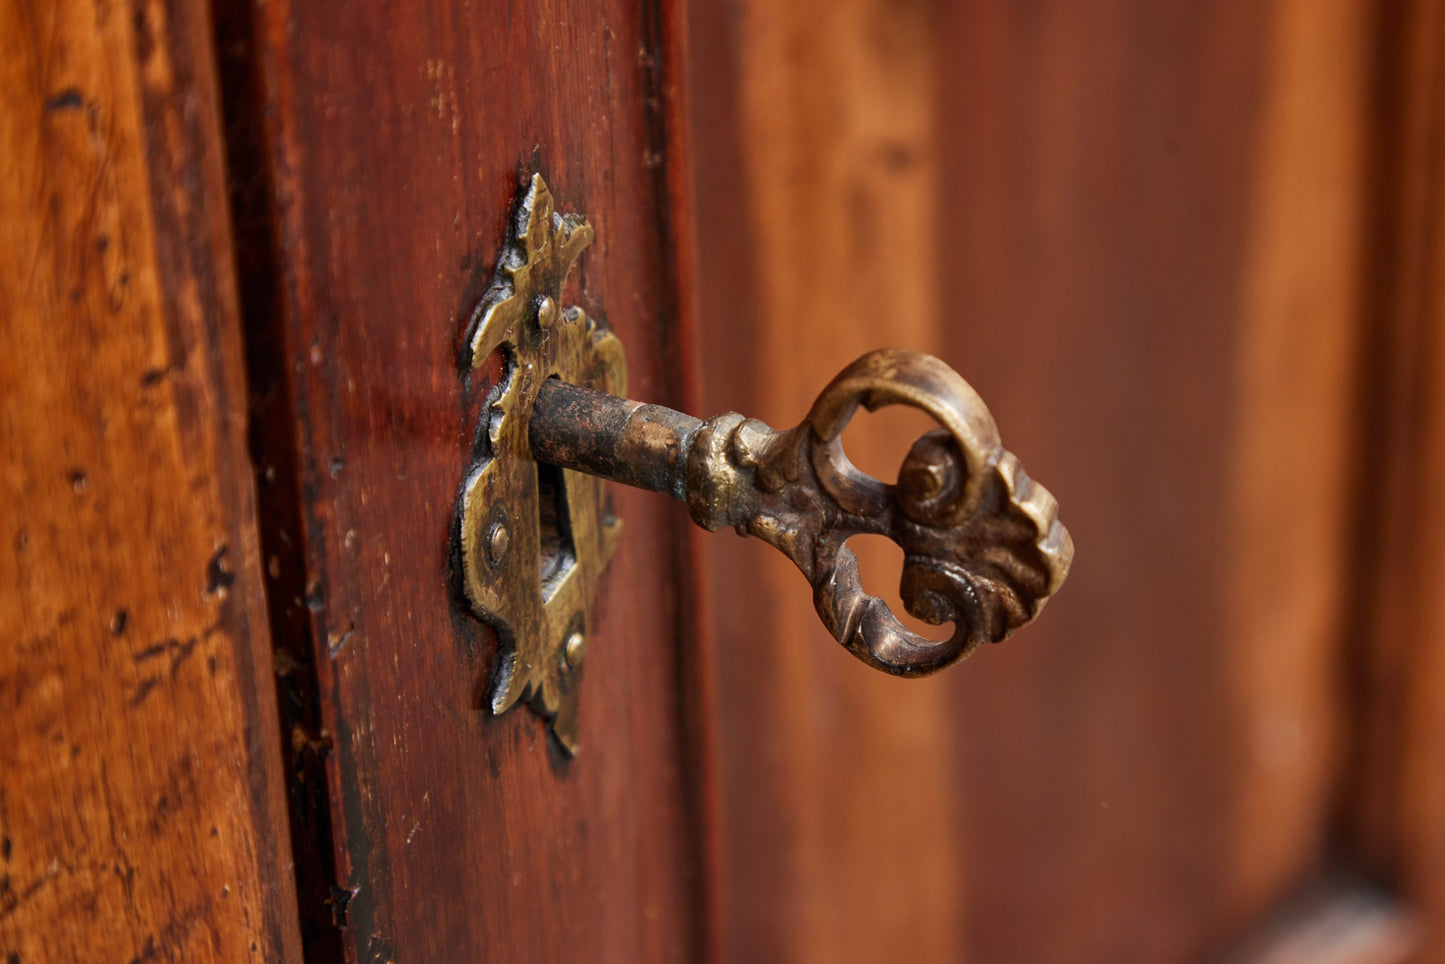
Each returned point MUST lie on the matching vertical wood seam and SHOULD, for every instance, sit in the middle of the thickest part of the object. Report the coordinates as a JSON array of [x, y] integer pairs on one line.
[[275, 447]]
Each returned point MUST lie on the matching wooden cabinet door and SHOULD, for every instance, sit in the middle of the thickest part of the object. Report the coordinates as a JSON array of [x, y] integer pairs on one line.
[[1190, 253], [377, 151]]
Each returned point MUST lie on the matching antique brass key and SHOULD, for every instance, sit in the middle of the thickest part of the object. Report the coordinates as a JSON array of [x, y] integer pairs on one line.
[[983, 546]]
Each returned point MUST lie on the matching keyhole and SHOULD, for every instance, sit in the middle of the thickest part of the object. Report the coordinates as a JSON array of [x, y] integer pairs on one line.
[[554, 525]]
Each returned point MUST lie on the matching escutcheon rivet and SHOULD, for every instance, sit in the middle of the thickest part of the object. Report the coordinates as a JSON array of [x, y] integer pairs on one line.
[[498, 539], [576, 648]]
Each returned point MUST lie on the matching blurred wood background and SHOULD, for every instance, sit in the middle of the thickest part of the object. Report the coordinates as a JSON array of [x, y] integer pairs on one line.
[[1190, 254]]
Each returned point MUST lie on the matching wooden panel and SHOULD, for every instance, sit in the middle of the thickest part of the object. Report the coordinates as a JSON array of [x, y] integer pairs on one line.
[[1136, 228], [395, 140], [141, 794], [839, 811], [1184, 266], [1396, 815]]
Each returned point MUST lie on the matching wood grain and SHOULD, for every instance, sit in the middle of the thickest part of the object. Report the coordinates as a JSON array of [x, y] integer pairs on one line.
[[838, 814], [394, 144], [1394, 819], [141, 797], [1189, 382], [1138, 230]]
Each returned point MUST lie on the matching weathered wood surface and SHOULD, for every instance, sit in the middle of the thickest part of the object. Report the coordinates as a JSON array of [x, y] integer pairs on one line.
[[393, 139], [1139, 231], [141, 795]]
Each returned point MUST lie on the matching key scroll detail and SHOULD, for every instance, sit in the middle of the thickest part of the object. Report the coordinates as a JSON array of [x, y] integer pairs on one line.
[[982, 542]]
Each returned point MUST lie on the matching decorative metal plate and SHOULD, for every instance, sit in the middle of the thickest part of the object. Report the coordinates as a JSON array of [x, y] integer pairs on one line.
[[533, 540]]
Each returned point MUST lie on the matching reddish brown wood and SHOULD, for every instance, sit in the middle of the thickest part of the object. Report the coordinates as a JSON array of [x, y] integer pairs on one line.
[[1194, 204], [141, 797], [1138, 230], [395, 140], [1395, 814], [816, 142]]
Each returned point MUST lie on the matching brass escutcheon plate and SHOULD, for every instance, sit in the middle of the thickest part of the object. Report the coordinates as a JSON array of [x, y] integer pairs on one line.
[[533, 540]]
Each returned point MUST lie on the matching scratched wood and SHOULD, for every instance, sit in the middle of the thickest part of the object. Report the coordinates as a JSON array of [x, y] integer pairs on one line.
[[141, 795], [1139, 230], [392, 141]]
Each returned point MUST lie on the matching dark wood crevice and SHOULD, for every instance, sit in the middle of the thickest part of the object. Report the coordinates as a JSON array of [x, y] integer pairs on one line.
[[665, 28], [1386, 669], [275, 456], [1378, 379]]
